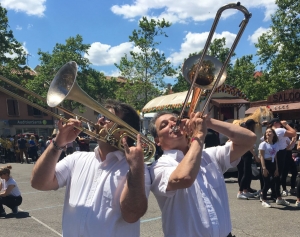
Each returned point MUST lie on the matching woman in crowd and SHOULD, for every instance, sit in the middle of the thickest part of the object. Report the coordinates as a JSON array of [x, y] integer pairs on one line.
[[268, 156], [10, 194]]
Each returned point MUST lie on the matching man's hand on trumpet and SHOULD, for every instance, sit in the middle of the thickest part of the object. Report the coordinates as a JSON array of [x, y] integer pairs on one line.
[[67, 132], [197, 124]]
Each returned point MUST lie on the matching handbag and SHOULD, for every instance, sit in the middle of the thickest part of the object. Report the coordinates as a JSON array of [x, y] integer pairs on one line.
[[255, 171]]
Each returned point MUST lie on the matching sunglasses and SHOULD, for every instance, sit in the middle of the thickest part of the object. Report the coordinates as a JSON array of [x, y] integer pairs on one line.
[[107, 120]]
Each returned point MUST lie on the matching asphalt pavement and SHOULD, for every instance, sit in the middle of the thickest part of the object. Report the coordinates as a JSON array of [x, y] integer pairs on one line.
[[41, 212]]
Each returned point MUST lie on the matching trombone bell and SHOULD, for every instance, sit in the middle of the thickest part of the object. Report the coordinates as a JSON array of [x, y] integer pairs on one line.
[[208, 72], [62, 84]]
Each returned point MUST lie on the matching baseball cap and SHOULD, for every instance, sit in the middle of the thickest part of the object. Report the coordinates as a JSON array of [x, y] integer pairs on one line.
[[274, 120]]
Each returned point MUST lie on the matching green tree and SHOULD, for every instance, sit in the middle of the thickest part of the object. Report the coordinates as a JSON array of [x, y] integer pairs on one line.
[[147, 67], [12, 54], [278, 49], [242, 75], [91, 81]]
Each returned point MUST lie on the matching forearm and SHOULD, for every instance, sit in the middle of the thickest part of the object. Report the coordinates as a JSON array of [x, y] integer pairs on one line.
[[43, 174], [262, 160], [133, 201], [236, 134], [187, 170]]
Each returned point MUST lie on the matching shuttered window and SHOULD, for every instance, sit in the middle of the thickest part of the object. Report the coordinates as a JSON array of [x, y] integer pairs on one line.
[[34, 112], [12, 107]]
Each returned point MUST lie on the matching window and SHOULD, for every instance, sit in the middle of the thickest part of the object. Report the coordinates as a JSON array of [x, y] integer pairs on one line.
[[34, 112], [12, 107]]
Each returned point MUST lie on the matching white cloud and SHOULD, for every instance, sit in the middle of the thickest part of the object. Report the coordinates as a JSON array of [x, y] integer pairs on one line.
[[30, 7], [112, 73], [103, 54], [194, 42], [29, 26], [14, 55], [254, 38], [182, 11], [19, 27]]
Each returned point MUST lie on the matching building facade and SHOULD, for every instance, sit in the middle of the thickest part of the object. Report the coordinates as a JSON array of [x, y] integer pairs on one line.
[[17, 117]]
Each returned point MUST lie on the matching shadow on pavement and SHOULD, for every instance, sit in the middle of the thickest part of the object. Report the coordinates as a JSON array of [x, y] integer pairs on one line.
[[20, 215]]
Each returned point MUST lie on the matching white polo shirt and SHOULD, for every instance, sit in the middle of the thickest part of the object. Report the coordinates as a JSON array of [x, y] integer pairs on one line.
[[202, 209], [93, 190]]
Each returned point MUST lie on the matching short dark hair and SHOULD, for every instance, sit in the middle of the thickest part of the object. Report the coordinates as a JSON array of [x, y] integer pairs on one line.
[[274, 120], [126, 113], [152, 128]]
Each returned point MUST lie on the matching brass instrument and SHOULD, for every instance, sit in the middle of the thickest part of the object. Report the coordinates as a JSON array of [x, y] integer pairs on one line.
[[64, 86], [206, 72]]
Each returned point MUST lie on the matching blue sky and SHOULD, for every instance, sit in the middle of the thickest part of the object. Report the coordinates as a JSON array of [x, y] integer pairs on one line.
[[106, 25]]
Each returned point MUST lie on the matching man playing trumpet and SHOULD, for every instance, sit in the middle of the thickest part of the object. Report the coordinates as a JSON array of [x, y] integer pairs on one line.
[[106, 190]]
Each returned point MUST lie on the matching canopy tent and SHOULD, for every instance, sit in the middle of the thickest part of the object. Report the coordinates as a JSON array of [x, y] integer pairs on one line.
[[166, 102], [176, 100]]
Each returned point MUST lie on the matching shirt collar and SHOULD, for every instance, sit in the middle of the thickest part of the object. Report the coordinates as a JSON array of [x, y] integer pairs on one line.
[[118, 154], [175, 154]]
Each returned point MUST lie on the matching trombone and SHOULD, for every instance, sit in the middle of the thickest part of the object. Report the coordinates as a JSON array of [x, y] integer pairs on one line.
[[64, 86], [206, 72]]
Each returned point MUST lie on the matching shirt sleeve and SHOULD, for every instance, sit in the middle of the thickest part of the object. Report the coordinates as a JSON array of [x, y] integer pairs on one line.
[[63, 170], [220, 155], [160, 173], [261, 146], [280, 132], [147, 181]]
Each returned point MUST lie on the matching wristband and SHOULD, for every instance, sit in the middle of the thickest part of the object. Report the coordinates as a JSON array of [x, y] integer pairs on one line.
[[56, 146]]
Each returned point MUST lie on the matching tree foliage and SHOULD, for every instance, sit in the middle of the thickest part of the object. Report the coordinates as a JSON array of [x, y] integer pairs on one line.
[[12, 54], [91, 81], [279, 48], [145, 67]]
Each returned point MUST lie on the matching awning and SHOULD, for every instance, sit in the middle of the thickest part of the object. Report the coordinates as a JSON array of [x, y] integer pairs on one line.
[[229, 102], [172, 101], [176, 100], [277, 108]]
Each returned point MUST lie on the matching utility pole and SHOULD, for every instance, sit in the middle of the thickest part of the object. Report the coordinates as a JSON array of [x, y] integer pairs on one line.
[[27, 58]]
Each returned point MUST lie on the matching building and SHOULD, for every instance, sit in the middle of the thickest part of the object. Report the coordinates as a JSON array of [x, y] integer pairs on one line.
[[284, 104], [17, 117], [227, 102]]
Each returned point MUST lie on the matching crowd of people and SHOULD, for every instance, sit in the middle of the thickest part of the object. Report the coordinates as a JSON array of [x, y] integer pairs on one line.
[[20, 148], [186, 178], [275, 159]]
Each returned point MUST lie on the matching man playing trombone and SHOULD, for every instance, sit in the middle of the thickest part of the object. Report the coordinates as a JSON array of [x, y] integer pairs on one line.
[[187, 181], [106, 190]]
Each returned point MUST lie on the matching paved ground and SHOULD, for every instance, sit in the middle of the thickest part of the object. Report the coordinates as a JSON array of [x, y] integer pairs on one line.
[[40, 213]]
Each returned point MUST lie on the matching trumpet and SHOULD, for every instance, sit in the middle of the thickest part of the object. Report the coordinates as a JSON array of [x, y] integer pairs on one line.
[[205, 72], [64, 86]]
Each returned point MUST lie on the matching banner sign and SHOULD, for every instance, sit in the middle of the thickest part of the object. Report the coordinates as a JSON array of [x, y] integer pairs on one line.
[[30, 122]]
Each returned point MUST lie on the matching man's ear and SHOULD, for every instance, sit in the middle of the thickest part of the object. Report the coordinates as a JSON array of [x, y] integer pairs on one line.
[[157, 141]]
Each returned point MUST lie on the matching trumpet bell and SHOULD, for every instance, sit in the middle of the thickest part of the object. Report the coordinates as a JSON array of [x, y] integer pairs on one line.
[[208, 72], [62, 84]]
